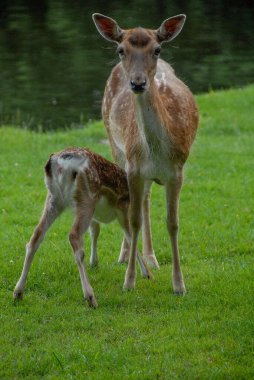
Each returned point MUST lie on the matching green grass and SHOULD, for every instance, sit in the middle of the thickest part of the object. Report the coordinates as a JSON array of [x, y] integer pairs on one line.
[[148, 333]]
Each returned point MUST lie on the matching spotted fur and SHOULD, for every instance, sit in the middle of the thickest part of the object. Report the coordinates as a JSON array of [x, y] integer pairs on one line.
[[97, 190]]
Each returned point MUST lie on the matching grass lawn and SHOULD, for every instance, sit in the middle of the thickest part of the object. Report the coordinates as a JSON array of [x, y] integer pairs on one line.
[[148, 333]]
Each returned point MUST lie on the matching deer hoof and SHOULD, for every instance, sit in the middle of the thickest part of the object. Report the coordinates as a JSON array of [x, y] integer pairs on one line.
[[147, 275], [180, 290], [94, 264], [129, 284], [17, 295], [151, 261], [123, 257], [92, 301]]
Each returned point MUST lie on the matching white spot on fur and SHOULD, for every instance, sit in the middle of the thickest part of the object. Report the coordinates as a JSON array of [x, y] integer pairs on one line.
[[62, 184], [74, 163]]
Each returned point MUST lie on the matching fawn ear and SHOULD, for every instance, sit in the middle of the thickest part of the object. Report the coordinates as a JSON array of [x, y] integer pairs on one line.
[[108, 28], [170, 28]]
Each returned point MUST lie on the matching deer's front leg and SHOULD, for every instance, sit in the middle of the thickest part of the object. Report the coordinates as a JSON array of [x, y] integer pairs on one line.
[[94, 232], [173, 189], [124, 222], [84, 215], [148, 252], [136, 187]]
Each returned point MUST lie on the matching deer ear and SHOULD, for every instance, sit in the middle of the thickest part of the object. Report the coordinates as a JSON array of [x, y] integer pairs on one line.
[[170, 28], [108, 28]]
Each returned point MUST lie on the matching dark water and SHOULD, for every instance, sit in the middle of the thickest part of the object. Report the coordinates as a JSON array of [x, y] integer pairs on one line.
[[53, 63]]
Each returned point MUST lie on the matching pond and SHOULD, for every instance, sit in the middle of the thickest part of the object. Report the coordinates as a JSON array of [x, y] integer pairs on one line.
[[54, 64]]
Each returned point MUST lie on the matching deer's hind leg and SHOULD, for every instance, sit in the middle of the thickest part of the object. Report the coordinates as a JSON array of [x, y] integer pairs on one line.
[[50, 213]]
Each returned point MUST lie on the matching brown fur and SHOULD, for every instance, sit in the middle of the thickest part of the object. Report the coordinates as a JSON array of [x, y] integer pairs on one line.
[[151, 119], [102, 174], [137, 37], [82, 184], [177, 111]]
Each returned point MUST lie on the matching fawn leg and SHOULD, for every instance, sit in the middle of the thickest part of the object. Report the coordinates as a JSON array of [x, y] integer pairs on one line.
[[50, 213], [125, 251], [84, 215], [94, 232]]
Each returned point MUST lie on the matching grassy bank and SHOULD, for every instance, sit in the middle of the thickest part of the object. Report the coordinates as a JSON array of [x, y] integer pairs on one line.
[[148, 333]]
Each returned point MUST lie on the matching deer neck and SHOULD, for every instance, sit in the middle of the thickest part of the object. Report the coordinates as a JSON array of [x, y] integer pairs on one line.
[[152, 133]]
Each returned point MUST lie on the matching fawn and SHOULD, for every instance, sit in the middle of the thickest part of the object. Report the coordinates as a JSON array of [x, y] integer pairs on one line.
[[98, 191]]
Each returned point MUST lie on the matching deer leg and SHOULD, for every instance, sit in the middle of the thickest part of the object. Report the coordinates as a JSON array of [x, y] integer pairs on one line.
[[124, 222], [148, 252], [50, 213], [94, 232], [136, 187], [125, 247], [125, 251], [173, 189], [83, 219], [142, 263], [122, 216]]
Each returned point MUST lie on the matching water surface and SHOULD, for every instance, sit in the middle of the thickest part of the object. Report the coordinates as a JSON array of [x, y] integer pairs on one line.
[[54, 64]]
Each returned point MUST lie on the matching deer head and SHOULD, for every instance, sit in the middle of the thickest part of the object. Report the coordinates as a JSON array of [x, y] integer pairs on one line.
[[139, 48]]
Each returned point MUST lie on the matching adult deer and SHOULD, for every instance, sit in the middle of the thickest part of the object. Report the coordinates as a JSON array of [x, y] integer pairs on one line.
[[151, 119]]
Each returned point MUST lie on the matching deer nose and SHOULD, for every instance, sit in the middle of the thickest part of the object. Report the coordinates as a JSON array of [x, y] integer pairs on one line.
[[137, 86]]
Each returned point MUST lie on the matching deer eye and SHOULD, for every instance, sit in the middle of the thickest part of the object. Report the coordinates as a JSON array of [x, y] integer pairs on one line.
[[157, 52], [120, 51]]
